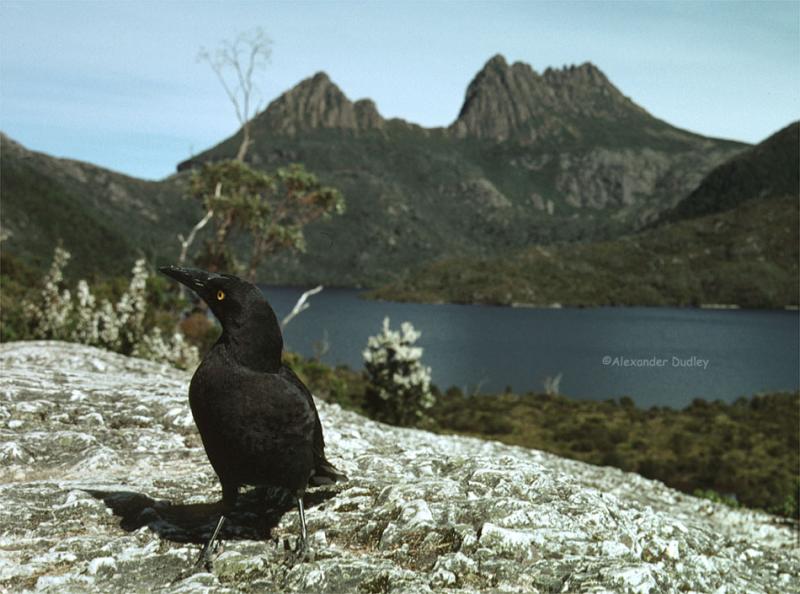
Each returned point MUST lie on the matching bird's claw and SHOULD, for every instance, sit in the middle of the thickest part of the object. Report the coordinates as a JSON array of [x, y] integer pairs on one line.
[[299, 553], [203, 562]]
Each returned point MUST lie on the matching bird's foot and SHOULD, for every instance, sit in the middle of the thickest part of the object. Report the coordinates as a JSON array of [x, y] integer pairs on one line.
[[299, 553], [206, 558], [204, 562]]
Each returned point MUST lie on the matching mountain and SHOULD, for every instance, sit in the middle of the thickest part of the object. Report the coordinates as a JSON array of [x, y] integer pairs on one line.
[[318, 103], [530, 159], [106, 488], [105, 219], [515, 102], [771, 168], [561, 156], [733, 240]]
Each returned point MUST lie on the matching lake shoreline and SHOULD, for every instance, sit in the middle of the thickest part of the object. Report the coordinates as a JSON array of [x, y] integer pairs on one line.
[[371, 294], [379, 295]]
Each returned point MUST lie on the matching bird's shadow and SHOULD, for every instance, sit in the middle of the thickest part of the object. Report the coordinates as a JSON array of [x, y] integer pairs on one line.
[[257, 512]]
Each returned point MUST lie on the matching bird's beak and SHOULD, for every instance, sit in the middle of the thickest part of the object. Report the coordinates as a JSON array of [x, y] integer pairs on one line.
[[194, 278]]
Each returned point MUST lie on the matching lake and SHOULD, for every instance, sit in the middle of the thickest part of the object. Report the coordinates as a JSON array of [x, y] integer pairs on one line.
[[657, 356]]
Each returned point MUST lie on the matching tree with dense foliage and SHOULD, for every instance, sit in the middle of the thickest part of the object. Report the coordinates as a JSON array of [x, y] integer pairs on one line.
[[272, 208]]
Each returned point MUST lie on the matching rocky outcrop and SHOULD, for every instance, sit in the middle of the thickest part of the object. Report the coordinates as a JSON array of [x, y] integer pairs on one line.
[[106, 488], [609, 179], [515, 102], [317, 103]]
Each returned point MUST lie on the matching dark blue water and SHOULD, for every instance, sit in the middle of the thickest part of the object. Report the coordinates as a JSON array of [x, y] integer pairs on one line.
[[485, 349]]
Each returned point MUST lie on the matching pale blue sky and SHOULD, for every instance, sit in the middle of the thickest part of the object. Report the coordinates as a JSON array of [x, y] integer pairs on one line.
[[117, 83]]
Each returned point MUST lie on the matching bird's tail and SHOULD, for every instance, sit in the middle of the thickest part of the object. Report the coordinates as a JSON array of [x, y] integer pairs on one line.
[[325, 473]]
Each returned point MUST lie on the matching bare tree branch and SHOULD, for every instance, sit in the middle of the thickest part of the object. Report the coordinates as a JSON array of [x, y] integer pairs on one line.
[[552, 385], [242, 57], [185, 243], [300, 306]]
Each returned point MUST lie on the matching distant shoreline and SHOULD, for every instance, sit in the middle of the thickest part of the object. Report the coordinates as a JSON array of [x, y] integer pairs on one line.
[[377, 294]]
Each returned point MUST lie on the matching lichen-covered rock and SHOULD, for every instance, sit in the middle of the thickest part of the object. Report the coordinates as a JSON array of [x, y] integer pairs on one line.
[[106, 488]]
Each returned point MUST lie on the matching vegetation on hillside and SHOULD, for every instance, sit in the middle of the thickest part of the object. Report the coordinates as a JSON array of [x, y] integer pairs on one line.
[[747, 256], [747, 451], [767, 169], [106, 220]]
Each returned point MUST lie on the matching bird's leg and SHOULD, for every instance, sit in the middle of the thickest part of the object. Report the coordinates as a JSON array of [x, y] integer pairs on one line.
[[303, 531], [230, 492], [301, 551], [205, 555]]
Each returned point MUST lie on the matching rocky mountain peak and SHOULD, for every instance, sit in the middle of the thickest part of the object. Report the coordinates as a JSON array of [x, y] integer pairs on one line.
[[499, 100], [514, 101], [496, 61], [585, 74], [317, 102]]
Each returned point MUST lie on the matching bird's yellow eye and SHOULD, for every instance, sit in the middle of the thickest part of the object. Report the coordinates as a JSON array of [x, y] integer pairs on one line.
[[220, 295]]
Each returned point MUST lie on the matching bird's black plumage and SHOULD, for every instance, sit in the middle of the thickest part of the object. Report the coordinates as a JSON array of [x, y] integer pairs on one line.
[[257, 419]]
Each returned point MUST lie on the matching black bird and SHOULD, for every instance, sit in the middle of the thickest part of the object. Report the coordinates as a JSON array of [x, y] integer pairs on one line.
[[256, 418]]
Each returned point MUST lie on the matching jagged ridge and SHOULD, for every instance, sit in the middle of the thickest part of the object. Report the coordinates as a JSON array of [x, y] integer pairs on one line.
[[316, 102], [502, 102], [505, 102]]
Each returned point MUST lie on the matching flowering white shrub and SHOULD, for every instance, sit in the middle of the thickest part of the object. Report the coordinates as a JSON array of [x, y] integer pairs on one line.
[[117, 327], [174, 350], [85, 330], [131, 308], [399, 389], [51, 316]]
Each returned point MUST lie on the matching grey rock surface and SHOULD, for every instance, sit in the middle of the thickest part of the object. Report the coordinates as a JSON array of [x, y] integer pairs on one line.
[[106, 488]]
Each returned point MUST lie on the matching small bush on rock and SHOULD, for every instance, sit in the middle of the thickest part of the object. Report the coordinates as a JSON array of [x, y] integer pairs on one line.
[[120, 327], [399, 390]]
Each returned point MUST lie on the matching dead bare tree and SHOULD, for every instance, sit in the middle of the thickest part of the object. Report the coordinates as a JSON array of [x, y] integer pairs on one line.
[[235, 63], [552, 385]]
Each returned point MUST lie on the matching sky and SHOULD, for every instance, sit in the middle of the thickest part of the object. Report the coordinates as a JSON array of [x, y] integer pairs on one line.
[[118, 83]]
